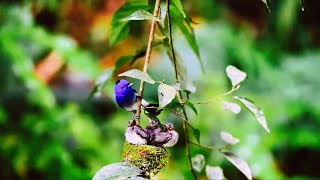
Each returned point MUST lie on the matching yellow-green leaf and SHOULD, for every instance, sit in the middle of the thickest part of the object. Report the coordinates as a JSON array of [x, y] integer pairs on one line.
[[266, 3], [255, 110], [184, 25], [214, 172], [235, 75], [198, 162], [121, 170], [137, 74], [239, 164], [140, 15], [179, 6], [166, 94], [119, 29], [230, 106], [228, 138]]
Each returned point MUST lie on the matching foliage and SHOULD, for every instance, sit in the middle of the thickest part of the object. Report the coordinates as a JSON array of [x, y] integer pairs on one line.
[[167, 93], [137, 74], [52, 134], [121, 170], [119, 29]]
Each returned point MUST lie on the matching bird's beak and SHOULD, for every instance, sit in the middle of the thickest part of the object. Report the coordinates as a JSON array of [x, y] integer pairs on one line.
[[130, 85]]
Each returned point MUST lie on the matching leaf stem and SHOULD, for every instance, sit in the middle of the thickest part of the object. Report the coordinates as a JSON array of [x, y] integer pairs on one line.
[[179, 95], [208, 147], [147, 58], [229, 93]]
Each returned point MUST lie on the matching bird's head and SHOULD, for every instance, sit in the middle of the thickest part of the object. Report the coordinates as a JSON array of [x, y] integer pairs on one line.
[[153, 123], [168, 126], [122, 86]]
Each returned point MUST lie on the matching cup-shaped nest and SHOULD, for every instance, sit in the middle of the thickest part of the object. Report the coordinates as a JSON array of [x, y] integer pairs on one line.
[[149, 159]]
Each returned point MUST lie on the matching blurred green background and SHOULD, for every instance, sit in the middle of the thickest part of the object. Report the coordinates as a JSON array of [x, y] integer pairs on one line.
[[51, 52]]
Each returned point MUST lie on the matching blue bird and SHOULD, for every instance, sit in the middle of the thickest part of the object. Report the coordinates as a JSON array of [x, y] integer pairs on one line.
[[126, 97]]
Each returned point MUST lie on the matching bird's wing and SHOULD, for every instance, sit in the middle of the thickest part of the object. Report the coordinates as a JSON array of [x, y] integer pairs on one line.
[[173, 140], [134, 138], [140, 132], [161, 138], [120, 105]]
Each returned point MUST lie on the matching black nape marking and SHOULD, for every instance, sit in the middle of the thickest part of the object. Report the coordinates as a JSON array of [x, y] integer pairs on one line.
[[118, 81]]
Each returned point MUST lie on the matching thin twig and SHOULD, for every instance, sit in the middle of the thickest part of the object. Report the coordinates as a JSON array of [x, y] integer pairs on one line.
[[208, 147], [229, 93], [147, 58], [179, 95]]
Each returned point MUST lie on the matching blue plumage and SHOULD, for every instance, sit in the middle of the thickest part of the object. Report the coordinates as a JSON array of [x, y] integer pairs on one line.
[[125, 95]]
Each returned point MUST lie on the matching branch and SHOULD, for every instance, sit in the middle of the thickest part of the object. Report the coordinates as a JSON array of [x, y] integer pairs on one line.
[[229, 93], [179, 95], [147, 58], [208, 147]]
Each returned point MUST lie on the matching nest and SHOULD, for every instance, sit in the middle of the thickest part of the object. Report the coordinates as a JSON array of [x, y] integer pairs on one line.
[[149, 159]]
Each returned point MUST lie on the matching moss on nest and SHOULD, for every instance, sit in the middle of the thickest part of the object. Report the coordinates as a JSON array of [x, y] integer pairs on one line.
[[149, 159]]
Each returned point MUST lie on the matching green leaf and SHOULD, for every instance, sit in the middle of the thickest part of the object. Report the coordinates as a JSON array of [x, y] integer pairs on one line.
[[158, 39], [118, 33], [140, 15], [239, 163], [131, 58], [178, 5], [195, 132], [185, 26], [121, 170], [214, 172], [101, 82], [119, 29], [166, 94], [228, 138], [302, 8], [136, 178], [198, 162], [233, 107], [163, 14], [187, 93], [122, 61], [255, 110], [137, 74], [186, 82], [176, 108], [266, 3], [189, 104], [3, 116], [235, 75]]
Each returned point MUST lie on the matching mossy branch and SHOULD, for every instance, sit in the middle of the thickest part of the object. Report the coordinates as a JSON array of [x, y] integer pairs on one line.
[[147, 58]]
